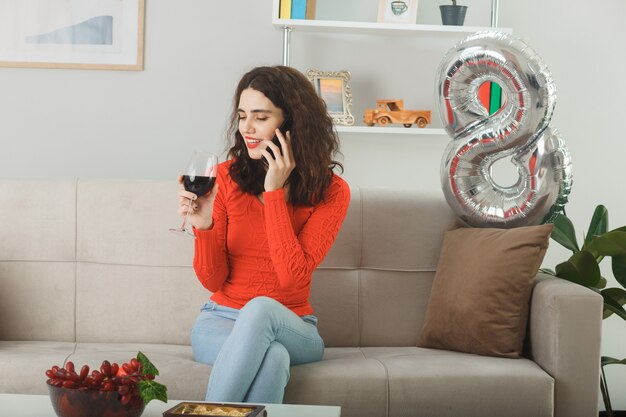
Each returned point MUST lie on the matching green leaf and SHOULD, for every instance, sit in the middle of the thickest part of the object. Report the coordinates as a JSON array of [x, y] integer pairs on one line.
[[617, 294], [148, 389], [151, 390], [612, 243], [607, 360], [580, 268], [602, 283], [599, 223], [612, 305], [564, 233], [147, 367], [547, 271], [618, 264]]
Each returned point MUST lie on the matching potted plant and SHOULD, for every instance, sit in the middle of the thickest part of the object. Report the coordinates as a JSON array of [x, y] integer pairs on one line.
[[583, 268], [453, 14]]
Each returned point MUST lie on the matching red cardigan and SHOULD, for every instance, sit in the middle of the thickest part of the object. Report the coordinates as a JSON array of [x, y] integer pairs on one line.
[[266, 249]]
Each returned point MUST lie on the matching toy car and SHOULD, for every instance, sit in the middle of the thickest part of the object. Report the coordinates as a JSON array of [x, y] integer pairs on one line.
[[392, 111]]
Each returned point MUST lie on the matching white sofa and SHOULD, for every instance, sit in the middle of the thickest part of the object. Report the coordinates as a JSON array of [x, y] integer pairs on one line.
[[89, 271]]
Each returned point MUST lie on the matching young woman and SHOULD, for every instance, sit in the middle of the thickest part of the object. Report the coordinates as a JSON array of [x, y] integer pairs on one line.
[[261, 232]]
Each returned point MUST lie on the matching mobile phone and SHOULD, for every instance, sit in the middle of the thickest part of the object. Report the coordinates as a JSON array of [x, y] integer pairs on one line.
[[284, 127]]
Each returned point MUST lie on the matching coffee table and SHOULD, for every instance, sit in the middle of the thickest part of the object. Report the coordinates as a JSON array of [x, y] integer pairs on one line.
[[25, 405]]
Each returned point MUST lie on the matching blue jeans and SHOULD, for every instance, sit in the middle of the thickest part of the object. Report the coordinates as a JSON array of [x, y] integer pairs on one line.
[[251, 349]]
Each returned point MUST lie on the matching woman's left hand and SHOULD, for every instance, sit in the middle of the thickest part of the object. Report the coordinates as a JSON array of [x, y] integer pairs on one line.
[[280, 167]]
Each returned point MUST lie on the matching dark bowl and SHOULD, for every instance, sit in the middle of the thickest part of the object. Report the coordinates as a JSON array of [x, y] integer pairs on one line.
[[69, 402]]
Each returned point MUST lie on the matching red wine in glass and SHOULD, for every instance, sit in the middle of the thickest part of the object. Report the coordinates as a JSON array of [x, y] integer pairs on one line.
[[198, 178], [199, 185]]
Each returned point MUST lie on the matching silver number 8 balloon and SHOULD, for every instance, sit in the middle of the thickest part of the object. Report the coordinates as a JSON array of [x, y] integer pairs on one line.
[[519, 130]]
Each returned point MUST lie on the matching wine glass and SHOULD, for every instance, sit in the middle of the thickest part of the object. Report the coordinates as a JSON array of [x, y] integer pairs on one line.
[[198, 178]]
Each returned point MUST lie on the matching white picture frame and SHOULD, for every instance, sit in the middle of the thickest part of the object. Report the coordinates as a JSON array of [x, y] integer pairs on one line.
[[334, 88], [103, 34], [397, 11]]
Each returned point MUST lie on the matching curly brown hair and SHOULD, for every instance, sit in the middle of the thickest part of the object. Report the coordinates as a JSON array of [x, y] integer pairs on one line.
[[313, 139]]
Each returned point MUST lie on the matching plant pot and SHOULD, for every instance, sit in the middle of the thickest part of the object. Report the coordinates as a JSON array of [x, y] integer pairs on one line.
[[453, 15]]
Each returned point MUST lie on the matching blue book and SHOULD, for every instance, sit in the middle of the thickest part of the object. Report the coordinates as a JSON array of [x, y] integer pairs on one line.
[[298, 9]]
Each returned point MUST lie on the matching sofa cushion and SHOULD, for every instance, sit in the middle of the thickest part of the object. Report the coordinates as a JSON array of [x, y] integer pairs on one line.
[[135, 304], [37, 301], [24, 364], [429, 382], [345, 378], [38, 220], [480, 296], [114, 226]]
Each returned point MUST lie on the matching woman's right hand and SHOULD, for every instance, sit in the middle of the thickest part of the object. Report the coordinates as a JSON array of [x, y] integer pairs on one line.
[[201, 209]]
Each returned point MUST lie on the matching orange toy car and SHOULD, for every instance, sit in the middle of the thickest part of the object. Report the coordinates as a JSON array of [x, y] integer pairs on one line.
[[392, 111]]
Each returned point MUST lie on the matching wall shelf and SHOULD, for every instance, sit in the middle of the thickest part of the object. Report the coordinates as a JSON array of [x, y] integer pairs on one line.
[[374, 28], [427, 131], [379, 29]]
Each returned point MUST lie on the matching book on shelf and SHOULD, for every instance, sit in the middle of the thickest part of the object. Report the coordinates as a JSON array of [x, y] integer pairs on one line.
[[285, 9], [310, 9], [298, 9]]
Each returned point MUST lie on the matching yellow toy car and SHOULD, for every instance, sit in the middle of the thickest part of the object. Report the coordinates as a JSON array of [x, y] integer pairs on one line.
[[392, 111]]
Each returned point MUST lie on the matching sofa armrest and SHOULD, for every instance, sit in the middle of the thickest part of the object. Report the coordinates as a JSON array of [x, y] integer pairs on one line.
[[565, 333]]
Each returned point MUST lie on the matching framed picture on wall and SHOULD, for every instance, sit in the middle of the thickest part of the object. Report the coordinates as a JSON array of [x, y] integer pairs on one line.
[[334, 88], [103, 34], [397, 11]]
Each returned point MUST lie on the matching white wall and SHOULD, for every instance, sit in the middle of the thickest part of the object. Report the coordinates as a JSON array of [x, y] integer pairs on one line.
[[116, 124]]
